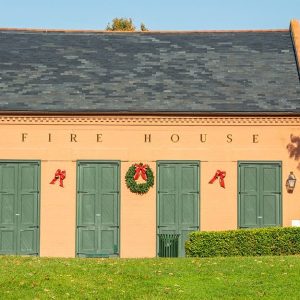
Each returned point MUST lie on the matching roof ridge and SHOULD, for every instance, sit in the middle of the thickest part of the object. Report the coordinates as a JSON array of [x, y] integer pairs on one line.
[[45, 30]]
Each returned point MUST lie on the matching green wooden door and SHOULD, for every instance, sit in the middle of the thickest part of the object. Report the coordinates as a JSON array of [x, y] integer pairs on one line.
[[178, 199], [98, 209], [259, 195], [19, 208]]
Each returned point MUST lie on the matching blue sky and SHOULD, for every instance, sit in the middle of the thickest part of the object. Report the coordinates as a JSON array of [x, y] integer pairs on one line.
[[156, 14]]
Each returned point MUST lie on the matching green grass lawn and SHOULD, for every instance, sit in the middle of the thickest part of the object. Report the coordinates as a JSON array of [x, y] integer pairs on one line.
[[182, 278]]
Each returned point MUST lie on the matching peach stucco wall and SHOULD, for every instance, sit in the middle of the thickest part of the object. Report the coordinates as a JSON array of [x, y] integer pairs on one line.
[[228, 140]]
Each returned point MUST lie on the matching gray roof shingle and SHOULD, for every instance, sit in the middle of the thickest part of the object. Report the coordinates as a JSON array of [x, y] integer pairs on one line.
[[194, 72]]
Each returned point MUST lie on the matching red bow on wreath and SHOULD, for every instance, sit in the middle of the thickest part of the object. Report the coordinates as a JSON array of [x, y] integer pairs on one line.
[[140, 170], [221, 175], [61, 175]]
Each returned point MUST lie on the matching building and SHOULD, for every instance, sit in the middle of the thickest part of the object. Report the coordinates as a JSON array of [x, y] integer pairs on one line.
[[215, 115]]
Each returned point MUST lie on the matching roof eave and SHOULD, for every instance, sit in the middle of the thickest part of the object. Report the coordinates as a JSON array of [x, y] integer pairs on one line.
[[152, 113]]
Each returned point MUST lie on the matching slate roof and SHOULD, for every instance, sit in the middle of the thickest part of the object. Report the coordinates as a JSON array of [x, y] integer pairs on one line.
[[196, 72]]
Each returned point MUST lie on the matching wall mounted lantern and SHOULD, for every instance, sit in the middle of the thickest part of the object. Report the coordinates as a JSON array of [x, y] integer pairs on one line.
[[290, 183]]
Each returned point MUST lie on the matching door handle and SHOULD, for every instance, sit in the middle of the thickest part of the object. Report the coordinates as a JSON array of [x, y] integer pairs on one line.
[[114, 226]]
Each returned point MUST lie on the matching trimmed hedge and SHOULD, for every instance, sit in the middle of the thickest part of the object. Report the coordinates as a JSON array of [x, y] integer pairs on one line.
[[244, 242]]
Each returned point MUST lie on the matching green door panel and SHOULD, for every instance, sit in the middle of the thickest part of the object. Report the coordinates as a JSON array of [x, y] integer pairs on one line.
[[28, 209], [86, 209], [98, 209], [87, 194], [8, 241], [259, 194], [270, 206], [167, 178], [270, 195], [7, 208], [19, 208], [178, 199], [8, 194], [109, 178], [168, 212], [188, 202], [249, 196], [87, 241], [189, 180], [249, 211], [108, 243], [28, 241]]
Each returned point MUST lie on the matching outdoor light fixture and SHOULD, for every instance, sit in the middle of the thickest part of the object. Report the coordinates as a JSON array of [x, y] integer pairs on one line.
[[290, 183]]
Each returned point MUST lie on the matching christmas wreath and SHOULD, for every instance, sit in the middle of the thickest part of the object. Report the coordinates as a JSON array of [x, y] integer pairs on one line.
[[133, 174]]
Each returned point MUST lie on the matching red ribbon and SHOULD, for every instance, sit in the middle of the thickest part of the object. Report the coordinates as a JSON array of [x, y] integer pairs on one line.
[[61, 175], [140, 170], [221, 175]]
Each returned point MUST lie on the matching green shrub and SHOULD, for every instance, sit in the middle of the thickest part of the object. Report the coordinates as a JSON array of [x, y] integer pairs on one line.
[[244, 242]]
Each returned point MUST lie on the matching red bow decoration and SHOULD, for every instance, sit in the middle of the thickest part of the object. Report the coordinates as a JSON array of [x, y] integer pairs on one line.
[[140, 170], [61, 175], [221, 175]]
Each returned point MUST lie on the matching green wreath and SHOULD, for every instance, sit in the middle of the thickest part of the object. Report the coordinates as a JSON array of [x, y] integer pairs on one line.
[[139, 188]]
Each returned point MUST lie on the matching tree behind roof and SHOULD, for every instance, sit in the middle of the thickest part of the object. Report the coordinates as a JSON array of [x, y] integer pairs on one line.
[[123, 24]]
